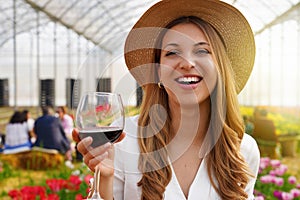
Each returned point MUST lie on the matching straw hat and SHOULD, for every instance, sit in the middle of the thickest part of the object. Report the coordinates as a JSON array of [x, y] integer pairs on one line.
[[226, 19]]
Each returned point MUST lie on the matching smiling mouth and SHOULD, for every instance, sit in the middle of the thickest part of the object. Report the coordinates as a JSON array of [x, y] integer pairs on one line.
[[188, 80]]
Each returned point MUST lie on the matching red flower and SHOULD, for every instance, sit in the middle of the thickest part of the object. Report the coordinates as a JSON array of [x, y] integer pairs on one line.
[[79, 197], [14, 193], [87, 179], [31, 192], [53, 197], [56, 185], [103, 108], [74, 183], [28, 193]]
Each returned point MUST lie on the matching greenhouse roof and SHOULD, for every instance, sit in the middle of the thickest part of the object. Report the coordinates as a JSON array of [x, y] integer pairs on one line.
[[104, 22]]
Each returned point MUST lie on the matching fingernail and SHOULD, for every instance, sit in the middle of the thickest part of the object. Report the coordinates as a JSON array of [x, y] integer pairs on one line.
[[88, 139], [107, 145]]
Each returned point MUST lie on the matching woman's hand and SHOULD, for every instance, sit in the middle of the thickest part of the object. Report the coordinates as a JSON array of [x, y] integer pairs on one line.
[[102, 155]]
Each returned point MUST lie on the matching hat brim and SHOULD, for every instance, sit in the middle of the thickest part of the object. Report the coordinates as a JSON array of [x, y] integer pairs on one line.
[[226, 19]]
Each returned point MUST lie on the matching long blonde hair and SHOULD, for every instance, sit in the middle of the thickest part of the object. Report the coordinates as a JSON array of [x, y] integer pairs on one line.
[[227, 169]]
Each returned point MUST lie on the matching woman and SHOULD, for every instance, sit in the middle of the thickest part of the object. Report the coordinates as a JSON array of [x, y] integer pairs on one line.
[[66, 121], [192, 58], [17, 137]]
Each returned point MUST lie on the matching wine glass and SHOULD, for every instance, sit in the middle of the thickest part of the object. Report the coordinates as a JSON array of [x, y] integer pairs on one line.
[[100, 115]]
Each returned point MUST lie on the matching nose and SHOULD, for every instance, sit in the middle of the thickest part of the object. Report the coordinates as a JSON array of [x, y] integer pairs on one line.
[[186, 63]]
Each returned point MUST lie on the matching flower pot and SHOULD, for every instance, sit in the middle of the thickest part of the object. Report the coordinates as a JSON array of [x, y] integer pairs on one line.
[[289, 144]]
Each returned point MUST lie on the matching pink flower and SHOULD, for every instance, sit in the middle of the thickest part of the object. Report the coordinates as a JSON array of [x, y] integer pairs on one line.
[[262, 166], [275, 163], [272, 173], [298, 186], [281, 170], [265, 160], [277, 194], [264, 163], [278, 181], [267, 179], [295, 193], [292, 180], [287, 196]]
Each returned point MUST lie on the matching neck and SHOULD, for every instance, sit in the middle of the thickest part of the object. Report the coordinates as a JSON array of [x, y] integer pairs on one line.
[[189, 125]]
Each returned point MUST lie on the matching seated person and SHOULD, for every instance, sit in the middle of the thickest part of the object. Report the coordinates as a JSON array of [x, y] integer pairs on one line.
[[17, 138], [67, 124], [2, 141], [66, 121], [50, 133], [30, 123]]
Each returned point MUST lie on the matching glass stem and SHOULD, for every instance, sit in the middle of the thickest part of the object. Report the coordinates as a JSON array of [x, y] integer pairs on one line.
[[96, 194]]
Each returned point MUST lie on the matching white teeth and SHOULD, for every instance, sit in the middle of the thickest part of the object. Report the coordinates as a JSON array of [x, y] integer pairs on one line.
[[188, 79]]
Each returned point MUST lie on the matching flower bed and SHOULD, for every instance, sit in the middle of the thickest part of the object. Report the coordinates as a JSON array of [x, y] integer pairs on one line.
[[274, 182], [51, 184], [55, 189]]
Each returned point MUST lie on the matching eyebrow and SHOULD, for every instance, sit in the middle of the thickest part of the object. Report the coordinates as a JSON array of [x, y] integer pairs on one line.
[[176, 45], [171, 44], [202, 43]]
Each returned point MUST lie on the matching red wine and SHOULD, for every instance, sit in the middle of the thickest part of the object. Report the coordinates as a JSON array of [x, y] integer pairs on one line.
[[101, 135]]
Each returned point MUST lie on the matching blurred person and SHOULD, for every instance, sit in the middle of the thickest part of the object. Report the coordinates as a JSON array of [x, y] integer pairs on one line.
[[2, 141], [50, 133], [66, 121], [30, 123], [17, 137], [67, 124]]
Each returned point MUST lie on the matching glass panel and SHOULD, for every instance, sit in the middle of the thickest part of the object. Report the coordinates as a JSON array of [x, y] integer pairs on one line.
[[95, 18], [55, 7]]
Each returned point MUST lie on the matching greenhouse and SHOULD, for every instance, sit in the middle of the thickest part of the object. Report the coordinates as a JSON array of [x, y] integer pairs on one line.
[[54, 51], [54, 40]]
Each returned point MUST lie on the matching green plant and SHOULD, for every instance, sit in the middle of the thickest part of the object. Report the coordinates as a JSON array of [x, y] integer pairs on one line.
[[5, 171]]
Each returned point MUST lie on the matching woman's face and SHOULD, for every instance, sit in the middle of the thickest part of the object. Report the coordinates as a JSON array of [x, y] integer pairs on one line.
[[187, 70], [60, 113]]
